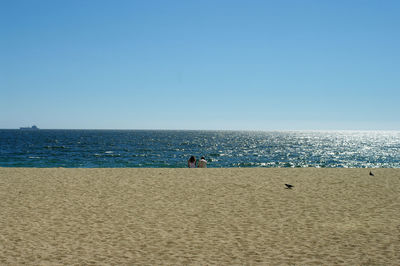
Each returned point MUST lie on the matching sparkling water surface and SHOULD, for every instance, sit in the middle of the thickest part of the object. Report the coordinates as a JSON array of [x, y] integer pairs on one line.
[[159, 148]]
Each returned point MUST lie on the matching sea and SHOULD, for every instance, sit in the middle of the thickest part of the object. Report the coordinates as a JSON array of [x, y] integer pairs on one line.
[[172, 148]]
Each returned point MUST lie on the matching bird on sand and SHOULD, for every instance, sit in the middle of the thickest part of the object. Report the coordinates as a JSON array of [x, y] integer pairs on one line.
[[370, 173], [288, 186]]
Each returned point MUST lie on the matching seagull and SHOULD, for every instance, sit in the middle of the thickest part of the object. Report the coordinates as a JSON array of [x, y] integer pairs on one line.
[[288, 186], [370, 173]]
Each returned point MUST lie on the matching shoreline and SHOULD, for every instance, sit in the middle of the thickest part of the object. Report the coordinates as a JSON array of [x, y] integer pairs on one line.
[[204, 216]]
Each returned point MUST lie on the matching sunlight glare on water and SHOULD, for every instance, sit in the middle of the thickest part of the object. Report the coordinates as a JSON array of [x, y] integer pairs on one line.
[[156, 148]]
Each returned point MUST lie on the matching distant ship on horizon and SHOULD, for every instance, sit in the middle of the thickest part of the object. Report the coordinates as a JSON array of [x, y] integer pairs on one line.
[[29, 128]]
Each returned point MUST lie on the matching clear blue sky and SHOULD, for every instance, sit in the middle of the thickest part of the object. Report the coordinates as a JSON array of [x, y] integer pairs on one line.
[[252, 65]]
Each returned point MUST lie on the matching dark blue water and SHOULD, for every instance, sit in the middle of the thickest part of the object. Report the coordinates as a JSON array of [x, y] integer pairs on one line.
[[144, 148]]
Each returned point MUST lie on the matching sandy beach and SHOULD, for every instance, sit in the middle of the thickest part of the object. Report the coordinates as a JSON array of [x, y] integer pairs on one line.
[[230, 216]]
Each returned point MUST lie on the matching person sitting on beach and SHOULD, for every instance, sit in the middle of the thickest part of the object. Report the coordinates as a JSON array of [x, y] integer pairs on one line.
[[202, 163], [192, 162]]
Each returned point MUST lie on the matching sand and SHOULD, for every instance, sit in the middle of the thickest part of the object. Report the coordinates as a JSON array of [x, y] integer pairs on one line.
[[199, 216]]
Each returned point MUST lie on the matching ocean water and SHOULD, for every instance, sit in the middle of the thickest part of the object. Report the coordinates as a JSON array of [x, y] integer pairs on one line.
[[171, 149]]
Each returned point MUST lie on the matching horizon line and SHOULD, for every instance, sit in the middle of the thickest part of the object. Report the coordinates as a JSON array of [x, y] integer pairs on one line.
[[247, 130]]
